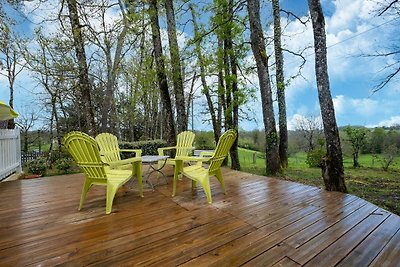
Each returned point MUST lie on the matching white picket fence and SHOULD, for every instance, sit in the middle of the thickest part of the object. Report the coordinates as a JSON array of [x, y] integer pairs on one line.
[[10, 152]]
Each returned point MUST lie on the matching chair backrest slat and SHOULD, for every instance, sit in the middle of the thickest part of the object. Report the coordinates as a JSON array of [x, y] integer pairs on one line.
[[225, 143], [109, 147], [85, 151], [184, 143]]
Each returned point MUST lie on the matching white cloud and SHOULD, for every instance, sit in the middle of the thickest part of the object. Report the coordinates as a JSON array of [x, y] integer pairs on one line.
[[350, 32], [393, 121], [361, 106]]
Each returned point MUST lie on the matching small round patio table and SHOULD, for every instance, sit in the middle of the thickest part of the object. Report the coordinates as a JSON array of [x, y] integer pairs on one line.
[[150, 160]]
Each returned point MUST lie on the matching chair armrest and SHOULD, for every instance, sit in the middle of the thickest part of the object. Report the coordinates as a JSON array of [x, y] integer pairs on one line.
[[161, 150], [188, 158], [124, 162], [206, 153], [138, 152]]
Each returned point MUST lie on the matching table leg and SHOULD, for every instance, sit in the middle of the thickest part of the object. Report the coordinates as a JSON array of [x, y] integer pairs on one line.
[[152, 170]]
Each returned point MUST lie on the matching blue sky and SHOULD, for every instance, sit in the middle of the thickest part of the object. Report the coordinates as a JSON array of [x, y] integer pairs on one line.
[[352, 29]]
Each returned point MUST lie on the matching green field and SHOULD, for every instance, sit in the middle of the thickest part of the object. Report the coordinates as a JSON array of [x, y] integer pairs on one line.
[[370, 181]]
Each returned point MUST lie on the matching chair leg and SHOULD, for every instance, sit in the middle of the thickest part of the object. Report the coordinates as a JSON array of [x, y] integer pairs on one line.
[[194, 184], [86, 186], [139, 178], [206, 187], [218, 174], [177, 170], [111, 190]]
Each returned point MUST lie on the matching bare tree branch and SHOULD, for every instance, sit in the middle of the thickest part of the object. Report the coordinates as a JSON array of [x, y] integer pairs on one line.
[[290, 14]]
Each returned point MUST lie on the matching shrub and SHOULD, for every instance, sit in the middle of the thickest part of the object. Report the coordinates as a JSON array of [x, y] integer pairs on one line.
[[247, 143], [38, 166], [148, 147], [56, 155], [204, 140], [63, 165], [388, 156], [314, 157]]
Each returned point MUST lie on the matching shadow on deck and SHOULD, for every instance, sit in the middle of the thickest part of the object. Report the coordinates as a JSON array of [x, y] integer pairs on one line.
[[260, 222]]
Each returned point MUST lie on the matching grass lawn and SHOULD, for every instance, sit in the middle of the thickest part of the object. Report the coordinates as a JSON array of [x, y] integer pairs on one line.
[[369, 182]]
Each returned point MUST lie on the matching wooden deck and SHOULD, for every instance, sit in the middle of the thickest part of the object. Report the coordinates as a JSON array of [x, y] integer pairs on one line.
[[260, 222]]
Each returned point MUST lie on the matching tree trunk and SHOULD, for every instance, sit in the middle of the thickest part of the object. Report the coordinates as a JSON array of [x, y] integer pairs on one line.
[[58, 128], [109, 113], [232, 114], [161, 76], [84, 84], [280, 86], [11, 122], [355, 160], [222, 90], [221, 86], [181, 116], [333, 172], [108, 94], [11, 62], [206, 90], [260, 55]]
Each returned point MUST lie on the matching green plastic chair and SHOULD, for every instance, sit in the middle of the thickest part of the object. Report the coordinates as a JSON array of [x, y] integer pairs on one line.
[[184, 145], [110, 151], [85, 151], [197, 173]]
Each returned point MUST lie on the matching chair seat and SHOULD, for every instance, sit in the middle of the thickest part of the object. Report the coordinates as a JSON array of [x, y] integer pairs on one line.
[[195, 172], [115, 174]]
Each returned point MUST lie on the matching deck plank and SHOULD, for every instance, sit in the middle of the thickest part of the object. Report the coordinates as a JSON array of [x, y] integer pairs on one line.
[[346, 243], [331, 233], [286, 262], [259, 222], [390, 255], [365, 253]]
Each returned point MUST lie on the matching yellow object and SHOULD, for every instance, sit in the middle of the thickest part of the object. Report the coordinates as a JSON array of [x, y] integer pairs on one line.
[[6, 112], [184, 145], [85, 151], [110, 151], [202, 175]]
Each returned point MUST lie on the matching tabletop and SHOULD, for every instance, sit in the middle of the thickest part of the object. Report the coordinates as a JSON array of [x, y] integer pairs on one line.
[[153, 158]]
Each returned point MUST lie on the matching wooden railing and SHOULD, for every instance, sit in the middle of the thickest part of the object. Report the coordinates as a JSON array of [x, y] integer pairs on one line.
[[10, 152]]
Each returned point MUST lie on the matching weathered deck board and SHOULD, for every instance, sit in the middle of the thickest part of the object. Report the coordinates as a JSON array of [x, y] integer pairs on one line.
[[260, 222]]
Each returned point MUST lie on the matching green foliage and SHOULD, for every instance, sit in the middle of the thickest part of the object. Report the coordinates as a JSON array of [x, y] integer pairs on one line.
[[56, 155], [148, 147], [357, 139], [388, 156], [379, 139], [356, 136], [38, 166], [248, 144], [314, 157], [63, 165], [254, 140], [204, 140]]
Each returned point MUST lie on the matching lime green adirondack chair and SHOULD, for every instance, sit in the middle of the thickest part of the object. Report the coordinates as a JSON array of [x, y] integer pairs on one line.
[[184, 145], [110, 151], [85, 151], [202, 175]]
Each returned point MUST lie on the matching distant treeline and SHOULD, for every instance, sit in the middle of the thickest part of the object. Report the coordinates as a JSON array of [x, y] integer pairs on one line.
[[377, 140]]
